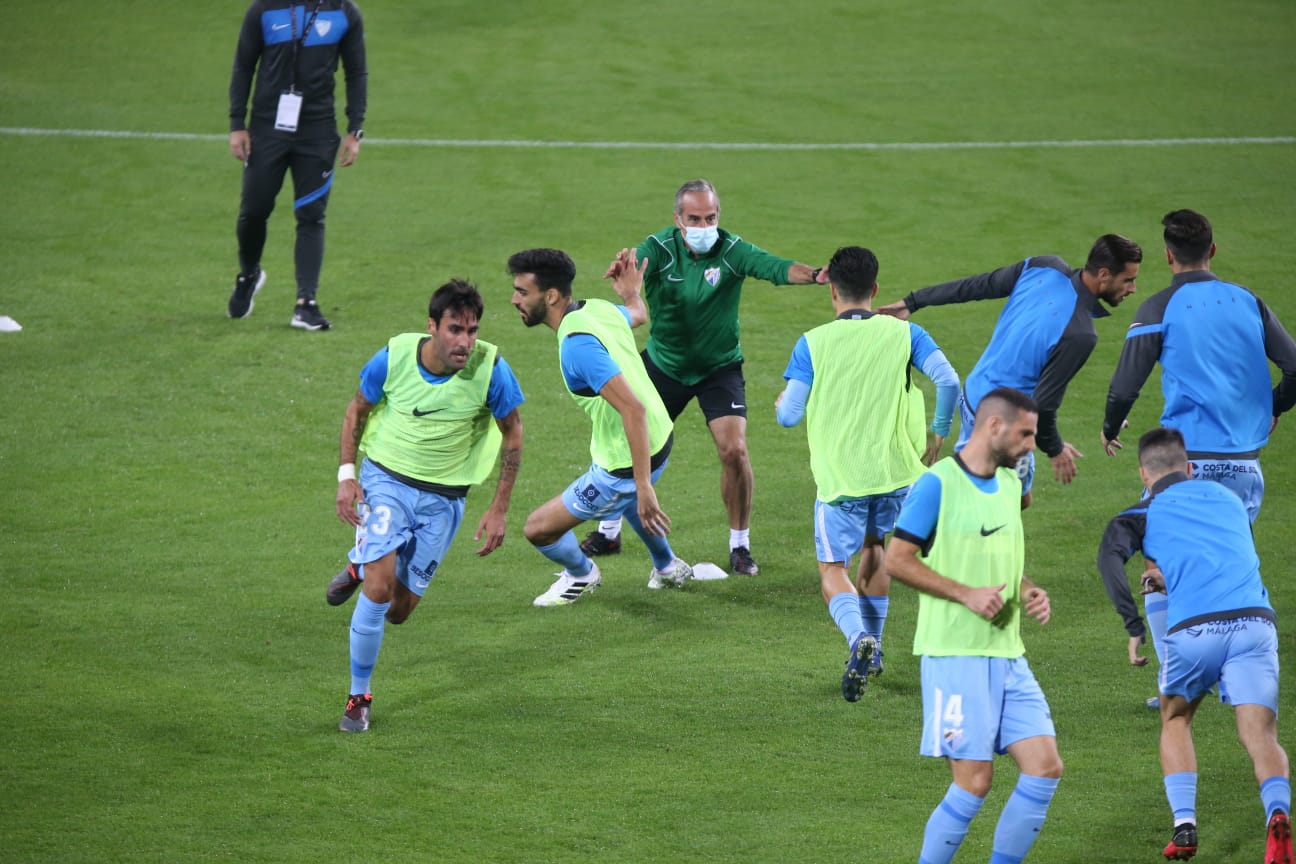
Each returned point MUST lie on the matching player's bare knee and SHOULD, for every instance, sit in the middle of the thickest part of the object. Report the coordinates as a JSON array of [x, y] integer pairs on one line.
[[535, 532], [734, 453], [377, 593], [1051, 769]]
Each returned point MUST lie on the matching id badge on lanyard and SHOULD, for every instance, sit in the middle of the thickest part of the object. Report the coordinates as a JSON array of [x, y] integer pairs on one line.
[[290, 101]]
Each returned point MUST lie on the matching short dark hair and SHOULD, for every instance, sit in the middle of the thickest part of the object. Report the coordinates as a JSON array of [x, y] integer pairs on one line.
[[854, 270], [552, 268], [1112, 252], [1188, 236], [698, 185], [1162, 450], [456, 296], [1007, 403]]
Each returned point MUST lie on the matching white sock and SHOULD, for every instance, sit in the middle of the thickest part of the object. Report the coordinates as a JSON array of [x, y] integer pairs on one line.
[[611, 529], [739, 538]]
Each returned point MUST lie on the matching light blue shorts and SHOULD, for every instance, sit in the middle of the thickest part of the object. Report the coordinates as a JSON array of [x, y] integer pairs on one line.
[[598, 494], [1240, 655], [975, 707], [1025, 465], [397, 517], [1242, 477], [840, 527]]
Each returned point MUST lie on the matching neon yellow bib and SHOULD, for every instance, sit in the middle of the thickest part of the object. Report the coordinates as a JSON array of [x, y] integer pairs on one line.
[[863, 409], [440, 433], [609, 448], [978, 542]]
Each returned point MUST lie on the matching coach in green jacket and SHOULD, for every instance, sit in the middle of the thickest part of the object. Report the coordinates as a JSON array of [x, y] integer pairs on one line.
[[692, 287]]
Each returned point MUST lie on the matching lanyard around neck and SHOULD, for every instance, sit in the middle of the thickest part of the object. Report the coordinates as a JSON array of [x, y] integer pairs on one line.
[[301, 42]]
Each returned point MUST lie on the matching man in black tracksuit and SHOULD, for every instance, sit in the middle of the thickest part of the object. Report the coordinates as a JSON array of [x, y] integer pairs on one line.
[[292, 126]]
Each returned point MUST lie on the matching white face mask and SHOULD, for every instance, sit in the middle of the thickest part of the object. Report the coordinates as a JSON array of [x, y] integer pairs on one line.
[[700, 240]]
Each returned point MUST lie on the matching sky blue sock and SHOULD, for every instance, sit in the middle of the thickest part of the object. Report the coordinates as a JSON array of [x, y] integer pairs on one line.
[[874, 610], [1181, 792], [948, 825], [658, 547], [1022, 818], [567, 552], [1155, 607], [845, 610], [1275, 794], [366, 639]]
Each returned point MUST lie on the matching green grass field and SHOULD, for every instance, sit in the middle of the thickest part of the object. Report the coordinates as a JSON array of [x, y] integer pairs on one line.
[[174, 676]]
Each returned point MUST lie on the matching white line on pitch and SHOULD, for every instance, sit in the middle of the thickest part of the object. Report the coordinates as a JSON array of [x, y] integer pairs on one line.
[[690, 145]]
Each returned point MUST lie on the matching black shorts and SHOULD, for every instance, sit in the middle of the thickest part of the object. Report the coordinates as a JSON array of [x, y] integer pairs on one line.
[[723, 393]]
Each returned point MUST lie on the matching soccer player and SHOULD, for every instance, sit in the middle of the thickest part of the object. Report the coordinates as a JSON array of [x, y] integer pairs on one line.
[[692, 287], [632, 434], [430, 413], [851, 379], [979, 695], [1221, 630], [1214, 341], [1043, 337]]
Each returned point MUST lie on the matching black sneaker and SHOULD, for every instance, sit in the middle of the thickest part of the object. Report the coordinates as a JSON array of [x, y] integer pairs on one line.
[[741, 561], [245, 288], [307, 316], [343, 585], [855, 678], [356, 716], [875, 664], [1184, 843], [597, 543]]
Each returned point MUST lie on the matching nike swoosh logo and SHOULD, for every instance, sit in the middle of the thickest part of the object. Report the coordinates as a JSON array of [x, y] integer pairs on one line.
[[984, 532], [674, 279], [736, 405], [418, 413], [278, 26]]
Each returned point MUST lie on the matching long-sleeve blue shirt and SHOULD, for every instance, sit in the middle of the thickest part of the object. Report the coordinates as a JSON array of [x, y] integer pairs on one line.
[[1043, 337], [1214, 341]]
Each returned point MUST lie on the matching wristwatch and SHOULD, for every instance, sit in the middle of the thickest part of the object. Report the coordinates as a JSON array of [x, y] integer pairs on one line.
[[357, 134]]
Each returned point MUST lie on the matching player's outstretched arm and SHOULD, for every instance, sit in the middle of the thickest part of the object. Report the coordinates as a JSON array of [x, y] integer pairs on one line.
[[897, 309], [627, 275], [804, 274], [349, 493], [634, 419], [494, 521]]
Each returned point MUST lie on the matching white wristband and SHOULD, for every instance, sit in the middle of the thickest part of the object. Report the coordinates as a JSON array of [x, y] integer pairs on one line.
[[346, 472]]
